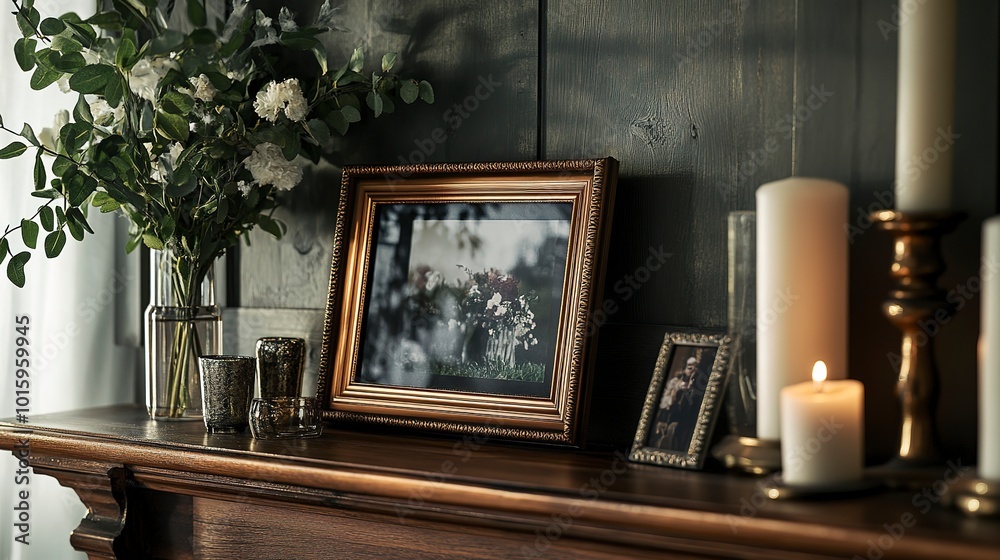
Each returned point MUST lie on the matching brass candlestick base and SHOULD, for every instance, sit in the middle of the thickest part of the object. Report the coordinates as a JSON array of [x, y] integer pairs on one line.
[[974, 496], [918, 308], [750, 455]]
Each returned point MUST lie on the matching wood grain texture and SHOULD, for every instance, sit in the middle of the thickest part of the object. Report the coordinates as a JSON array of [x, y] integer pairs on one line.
[[471, 487]]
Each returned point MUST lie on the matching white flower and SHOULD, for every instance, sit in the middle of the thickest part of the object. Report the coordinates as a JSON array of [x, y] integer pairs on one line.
[[269, 167], [244, 187], [49, 137], [203, 88], [102, 112], [269, 103], [147, 73], [501, 310], [453, 324], [275, 98], [494, 301], [297, 108], [63, 83], [262, 20], [286, 20]]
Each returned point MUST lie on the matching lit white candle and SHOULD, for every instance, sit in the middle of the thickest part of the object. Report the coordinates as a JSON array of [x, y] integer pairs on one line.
[[801, 288], [822, 436], [989, 354], [925, 105]]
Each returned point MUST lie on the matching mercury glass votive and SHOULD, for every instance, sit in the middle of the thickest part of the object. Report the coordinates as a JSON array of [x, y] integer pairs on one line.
[[280, 362], [226, 390], [285, 417]]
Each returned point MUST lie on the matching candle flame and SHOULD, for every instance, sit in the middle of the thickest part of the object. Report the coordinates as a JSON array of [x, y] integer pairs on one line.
[[819, 375]]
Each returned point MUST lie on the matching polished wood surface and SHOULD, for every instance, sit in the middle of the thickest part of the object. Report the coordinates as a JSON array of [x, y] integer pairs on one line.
[[376, 494]]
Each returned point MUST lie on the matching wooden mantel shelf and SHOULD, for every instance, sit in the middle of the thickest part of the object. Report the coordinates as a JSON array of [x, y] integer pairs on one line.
[[169, 490]]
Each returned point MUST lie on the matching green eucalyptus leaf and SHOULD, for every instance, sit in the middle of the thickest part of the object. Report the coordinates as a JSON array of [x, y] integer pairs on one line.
[[81, 111], [60, 217], [107, 20], [76, 216], [166, 42], [29, 233], [357, 60], [51, 26], [13, 149], [15, 268], [70, 63], [24, 53], [387, 105], [66, 44], [81, 190], [272, 226], [83, 32], [319, 51], [132, 244], [54, 243], [43, 77], [61, 165], [178, 189], [319, 131], [92, 78], [75, 230], [171, 126], [351, 113], [48, 194], [28, 134], [409, 90], [125, 56], [196, 12], [115, 91], [203, 36], [176, 103], [426, 91], [39, 172], [337, 122], [47, 218], [388, 61], [4, 249], [75, 135], [152, 242]]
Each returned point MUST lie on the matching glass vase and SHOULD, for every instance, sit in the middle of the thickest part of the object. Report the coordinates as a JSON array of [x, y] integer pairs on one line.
[[182, 323], [741, 402]]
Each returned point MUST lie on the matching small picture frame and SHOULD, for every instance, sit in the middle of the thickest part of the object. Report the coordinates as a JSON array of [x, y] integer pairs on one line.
[[460, 296], [683, 400]]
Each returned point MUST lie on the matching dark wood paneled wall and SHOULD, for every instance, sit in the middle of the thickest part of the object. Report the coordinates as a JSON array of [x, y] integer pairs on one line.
[[701, 101]]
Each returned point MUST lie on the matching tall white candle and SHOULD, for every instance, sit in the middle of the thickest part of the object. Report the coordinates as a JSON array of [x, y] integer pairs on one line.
[[989, 354], [822, 436], [801, 288], [925, 105]]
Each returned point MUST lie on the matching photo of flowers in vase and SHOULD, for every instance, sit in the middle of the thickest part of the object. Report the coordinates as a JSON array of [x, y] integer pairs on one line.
[[466, 296]]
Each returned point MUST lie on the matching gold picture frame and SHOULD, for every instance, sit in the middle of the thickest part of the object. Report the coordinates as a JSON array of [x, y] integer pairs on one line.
[[460, 294], [683, 401]]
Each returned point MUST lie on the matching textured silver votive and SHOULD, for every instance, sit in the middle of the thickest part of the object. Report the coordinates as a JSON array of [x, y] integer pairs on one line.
[[285, 417], [226, 390], [280, 362]]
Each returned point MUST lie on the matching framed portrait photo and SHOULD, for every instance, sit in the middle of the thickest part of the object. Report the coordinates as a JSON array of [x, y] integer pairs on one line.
[[683, 401], [460, 293]]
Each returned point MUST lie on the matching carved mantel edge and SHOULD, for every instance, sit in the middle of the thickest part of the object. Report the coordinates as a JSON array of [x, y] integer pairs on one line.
[[101, 488]]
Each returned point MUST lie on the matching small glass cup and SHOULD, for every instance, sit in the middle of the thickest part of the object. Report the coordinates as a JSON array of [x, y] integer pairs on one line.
[[280, 362], [285, 417], [226, 390]]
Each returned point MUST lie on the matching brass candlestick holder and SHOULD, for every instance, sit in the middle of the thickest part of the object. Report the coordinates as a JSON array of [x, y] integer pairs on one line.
[[748, 454], [974, 496], [914, 303]]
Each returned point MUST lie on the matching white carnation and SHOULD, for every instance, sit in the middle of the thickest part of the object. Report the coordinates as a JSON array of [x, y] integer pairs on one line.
[[297, 108], [269, 167], [286, 20], [204, 90], [244, 187], [49, 137], [269, 102]]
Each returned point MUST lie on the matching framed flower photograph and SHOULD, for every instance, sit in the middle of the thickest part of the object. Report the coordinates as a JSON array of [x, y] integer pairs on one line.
[[683, 401], [460, 293]]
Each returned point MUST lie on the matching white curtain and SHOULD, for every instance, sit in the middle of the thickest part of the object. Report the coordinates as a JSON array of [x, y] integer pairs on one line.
[[83, 309]]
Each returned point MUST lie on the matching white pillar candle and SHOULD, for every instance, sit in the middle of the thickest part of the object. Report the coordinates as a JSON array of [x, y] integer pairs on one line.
[[801, 288], [989, 354], [822, 440], [925, 105]]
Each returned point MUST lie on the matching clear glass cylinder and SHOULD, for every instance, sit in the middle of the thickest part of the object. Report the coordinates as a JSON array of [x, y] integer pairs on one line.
[[182, 323], [741, 401]]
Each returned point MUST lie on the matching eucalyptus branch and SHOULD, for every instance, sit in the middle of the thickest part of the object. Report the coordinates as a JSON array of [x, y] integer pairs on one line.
[[27, 17]]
